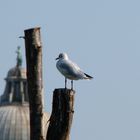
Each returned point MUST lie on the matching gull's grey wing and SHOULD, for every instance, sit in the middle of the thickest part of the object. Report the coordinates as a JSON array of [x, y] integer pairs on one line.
[[70, 70]]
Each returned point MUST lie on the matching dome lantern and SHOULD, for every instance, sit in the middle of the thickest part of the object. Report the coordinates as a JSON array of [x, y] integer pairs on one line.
[[16, 84]]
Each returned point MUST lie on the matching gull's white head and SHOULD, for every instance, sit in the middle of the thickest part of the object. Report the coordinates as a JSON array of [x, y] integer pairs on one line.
[[62, 56]]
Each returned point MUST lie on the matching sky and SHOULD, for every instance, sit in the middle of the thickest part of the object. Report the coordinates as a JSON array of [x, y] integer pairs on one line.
[[103, 38]]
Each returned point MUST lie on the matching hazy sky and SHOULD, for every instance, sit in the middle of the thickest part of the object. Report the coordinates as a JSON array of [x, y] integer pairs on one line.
[[103, 38]]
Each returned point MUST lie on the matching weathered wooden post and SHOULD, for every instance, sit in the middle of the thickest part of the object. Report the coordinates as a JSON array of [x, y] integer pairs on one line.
[[34, 78], [62, 115]]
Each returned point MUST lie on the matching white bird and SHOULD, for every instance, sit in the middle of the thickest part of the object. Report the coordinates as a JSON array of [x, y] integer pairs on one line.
[[69, 69]]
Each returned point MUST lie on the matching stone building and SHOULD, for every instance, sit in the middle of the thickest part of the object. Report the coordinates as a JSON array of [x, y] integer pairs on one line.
[[14, 105]]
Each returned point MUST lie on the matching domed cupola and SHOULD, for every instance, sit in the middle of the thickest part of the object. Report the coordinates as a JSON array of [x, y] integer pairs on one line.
[[14, 106], [16, 84]]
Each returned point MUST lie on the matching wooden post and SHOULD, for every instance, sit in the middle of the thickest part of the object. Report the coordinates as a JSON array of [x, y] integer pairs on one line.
[[62, 115], [34, 79]]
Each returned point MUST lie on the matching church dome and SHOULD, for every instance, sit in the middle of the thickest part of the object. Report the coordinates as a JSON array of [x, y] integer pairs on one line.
[[15, 124], [14, 106]]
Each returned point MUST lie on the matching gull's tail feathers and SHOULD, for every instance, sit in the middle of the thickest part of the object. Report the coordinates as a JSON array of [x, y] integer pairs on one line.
[[88, 76]]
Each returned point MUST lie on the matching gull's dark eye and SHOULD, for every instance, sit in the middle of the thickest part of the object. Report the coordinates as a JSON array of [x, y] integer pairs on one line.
[[60, 56]]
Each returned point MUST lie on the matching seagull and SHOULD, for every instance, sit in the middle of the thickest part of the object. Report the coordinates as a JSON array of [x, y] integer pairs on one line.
[[70, 70]]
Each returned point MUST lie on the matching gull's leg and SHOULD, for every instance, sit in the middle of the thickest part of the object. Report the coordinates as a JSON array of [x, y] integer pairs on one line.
[[71, 84], [65, 83]]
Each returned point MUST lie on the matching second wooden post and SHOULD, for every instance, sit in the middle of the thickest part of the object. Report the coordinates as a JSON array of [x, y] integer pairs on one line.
[[62, 114]]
